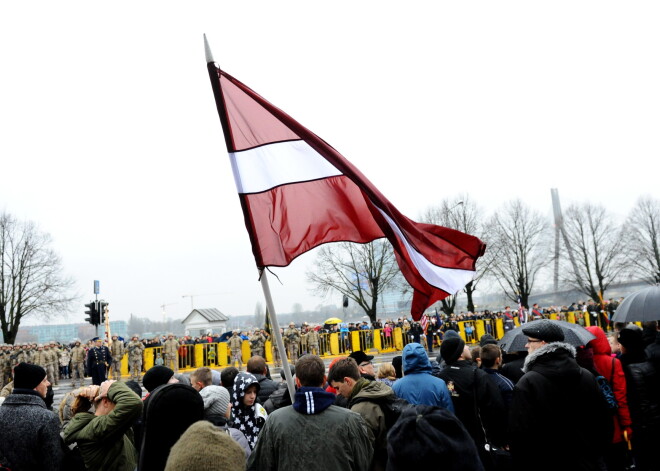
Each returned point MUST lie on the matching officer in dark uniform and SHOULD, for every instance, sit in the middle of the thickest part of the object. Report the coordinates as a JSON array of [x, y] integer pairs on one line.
[[98, 361]]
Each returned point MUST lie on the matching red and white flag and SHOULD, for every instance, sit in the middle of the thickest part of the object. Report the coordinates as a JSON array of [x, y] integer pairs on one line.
[[424, 322], [297, 192]]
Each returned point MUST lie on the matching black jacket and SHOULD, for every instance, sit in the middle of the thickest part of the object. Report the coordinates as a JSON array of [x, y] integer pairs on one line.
[[557, 402], [464, 381]]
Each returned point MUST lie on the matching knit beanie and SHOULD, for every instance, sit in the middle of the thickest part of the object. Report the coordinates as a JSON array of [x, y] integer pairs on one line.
[[451, 348], [451, 333], [206, 447], [135, 387], [156, 376], [487, 339], [28, 376], [424, 436]]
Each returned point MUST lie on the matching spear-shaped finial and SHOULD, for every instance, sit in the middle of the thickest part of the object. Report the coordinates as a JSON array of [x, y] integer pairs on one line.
[[207, 50]]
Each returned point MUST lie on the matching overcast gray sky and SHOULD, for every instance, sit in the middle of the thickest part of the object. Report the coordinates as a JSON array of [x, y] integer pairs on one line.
[[111, 142]]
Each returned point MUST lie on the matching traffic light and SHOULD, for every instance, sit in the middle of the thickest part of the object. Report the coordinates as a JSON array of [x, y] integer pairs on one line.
[[102, 306], [93, 313]]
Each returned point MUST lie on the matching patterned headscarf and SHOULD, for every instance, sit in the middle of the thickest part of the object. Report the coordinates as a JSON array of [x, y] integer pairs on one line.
[[248, 420]]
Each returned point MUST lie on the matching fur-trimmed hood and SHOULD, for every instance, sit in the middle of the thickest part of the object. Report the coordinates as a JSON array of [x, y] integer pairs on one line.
[[555, 360]]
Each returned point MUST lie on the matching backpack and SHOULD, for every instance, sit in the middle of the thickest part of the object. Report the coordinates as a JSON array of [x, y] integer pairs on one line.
[[391, 406], [606, 390]]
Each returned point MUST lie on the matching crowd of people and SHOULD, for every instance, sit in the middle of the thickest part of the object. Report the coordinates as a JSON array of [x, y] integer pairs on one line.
[[471, 407]]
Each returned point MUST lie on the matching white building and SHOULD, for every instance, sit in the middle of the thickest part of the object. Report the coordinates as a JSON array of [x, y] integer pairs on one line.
[[205, 321]]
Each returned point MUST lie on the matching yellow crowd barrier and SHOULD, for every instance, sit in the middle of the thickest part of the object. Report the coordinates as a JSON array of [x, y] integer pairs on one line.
[[341, 343]]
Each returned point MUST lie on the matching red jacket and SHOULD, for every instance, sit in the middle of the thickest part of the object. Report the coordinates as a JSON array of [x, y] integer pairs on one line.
[[611, 369]]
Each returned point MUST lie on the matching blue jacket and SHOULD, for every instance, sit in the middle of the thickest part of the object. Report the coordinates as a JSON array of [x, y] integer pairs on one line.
[[418, 386]]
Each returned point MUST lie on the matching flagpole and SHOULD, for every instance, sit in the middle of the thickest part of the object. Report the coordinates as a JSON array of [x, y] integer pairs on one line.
[[277, 333]]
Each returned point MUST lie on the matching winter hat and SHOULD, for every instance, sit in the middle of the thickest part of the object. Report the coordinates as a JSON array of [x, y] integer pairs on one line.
[[135, 387], [631, 339], [424, 436], [156, 376], [545, 330], [206, 447], [487, 339], [451, 333], [168, 412], [451, 348], [28, 376], [397, 363], [360, 357]]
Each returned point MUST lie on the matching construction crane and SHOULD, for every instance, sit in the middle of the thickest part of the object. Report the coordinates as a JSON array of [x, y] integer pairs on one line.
[[192, 296]]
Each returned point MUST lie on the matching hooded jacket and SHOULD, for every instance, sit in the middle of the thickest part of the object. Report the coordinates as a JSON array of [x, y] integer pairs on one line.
[[610, 368], [364, 401], [248, 420], [418, 385], [545, 406], [313, 435], [106, 441]]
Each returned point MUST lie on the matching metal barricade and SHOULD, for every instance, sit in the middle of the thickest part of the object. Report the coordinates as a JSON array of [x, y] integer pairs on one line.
[[324, 344], [210, 354], [387, 339], [469, 329], [187, 357]]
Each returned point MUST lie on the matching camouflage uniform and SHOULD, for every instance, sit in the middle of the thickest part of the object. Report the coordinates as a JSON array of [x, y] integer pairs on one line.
[[235, 344], [292, 342], [170, 353], [117, 351], [50, 360], [78, 364], [57, 353], [277, 361], [257, 342], [313, 342], [135, 349]]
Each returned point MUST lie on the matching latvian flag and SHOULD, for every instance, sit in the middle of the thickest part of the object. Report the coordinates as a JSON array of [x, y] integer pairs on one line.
[[297, 193]]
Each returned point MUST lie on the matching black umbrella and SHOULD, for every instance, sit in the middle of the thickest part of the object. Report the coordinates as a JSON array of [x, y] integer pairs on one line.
[[514, 340], [641, 306]]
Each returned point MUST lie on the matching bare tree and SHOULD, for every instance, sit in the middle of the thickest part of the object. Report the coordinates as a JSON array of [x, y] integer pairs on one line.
[[31, 280], [597, 245], [463, 214], [642, 230], [359, 271], [519, 238]]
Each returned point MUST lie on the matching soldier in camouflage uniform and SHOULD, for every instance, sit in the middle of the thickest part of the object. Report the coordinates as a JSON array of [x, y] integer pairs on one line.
[[117, 351], [48, 359], [171, 353], [292, 342], [257, 343], [313, 341], [78, 364], [57, 353], [235, 344], [135, 350]]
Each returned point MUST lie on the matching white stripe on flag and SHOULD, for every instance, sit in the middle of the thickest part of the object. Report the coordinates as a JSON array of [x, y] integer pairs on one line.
[[449, 280], [265, 167]]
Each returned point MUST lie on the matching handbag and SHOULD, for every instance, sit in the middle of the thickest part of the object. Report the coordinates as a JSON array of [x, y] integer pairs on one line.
[[500, 458]]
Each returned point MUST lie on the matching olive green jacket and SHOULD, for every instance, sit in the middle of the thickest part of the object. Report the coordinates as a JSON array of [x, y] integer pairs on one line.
[[106, 441]]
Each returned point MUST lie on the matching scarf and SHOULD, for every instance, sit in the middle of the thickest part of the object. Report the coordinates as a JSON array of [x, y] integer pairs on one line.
[[311, 401]]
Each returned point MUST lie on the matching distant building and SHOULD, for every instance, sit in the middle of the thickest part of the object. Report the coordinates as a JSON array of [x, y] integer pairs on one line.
[[66, 333], [204, 321]]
